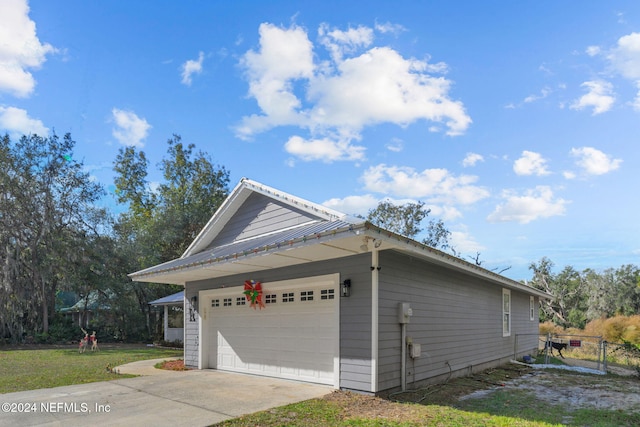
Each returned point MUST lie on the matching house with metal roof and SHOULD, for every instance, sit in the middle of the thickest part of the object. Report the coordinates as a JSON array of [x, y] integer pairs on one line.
[[279, 286], [86, 309], [172, 316]]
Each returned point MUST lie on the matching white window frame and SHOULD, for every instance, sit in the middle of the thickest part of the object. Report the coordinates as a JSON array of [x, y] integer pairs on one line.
[[532, 308], [506, 312]]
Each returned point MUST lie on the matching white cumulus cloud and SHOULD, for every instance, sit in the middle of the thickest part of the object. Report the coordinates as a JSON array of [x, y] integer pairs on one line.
[[471, 159], [339, 43], [324, 149], [359, 85], [17, 122], [593, 161], [433, 185], [353, 205], [599, 97], [625, 56], [190, 68], [130, 129], [396, 145], [531, 163], [20, 49], [463, 242], [544, 92], [532, 205], [623, 59]]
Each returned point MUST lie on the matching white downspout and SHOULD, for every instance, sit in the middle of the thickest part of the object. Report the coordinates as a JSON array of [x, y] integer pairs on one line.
[[374, 320]]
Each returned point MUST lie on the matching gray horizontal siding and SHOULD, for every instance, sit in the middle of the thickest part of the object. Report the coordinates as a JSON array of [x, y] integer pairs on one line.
[[260, 214], [457, 320], [191, 334]]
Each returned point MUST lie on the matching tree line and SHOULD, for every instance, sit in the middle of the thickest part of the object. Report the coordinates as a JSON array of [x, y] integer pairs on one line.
[[55, 241], [58, 247], [580, 297]]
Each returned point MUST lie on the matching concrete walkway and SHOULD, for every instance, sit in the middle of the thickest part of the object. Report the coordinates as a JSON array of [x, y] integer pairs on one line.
[[158, 398]]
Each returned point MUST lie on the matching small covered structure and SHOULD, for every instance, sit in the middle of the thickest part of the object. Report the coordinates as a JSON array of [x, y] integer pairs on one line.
[[173, 316], [85, 310]]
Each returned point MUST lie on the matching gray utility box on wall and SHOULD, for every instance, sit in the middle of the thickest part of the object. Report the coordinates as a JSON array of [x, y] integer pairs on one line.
[[404, 312]]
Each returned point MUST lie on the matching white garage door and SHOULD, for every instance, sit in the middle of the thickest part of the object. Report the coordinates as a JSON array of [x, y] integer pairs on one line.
[[294, 336]]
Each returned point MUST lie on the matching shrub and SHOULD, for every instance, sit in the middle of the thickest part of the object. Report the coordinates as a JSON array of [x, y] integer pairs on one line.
[[63, 330], [595, 327], [616, 329], [631, 334], [613, 328], [549, 327], [172, 344]]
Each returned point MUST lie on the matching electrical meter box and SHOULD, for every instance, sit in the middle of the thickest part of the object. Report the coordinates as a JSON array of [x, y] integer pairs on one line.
[[404, 312], [414, 350]]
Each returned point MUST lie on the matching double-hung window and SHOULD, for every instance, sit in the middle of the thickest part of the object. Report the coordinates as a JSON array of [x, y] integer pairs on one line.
[[532, 308], [506, 312]]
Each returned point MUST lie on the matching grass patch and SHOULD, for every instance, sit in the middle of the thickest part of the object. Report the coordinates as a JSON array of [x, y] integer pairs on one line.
[[329, 412], [43, 368]]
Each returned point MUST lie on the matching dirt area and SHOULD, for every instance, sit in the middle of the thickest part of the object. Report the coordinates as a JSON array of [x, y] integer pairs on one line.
[[575, 389], [572, 389], [354, 405]]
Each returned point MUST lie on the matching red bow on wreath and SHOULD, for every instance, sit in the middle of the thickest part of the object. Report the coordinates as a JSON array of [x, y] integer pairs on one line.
[[253, 292]]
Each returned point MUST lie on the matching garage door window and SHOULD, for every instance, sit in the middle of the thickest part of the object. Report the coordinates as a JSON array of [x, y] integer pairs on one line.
[[228, 302], [271, 299], [327, 294], [241, 301], [288, 297], [215, 303], [306, 296]]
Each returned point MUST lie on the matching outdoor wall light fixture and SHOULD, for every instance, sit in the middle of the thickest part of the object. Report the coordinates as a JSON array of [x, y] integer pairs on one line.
[[346, 288], [193, 308]]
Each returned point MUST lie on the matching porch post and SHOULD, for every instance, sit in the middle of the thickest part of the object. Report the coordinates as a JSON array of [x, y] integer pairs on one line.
[[166, 321]]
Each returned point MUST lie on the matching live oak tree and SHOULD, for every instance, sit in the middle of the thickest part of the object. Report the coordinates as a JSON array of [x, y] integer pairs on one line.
[[406, 220], [613, 292], [46, 205], [580, 297], [162, 221]]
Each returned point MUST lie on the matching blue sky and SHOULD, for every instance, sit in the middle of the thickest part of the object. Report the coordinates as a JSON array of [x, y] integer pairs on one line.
[[517, 123]]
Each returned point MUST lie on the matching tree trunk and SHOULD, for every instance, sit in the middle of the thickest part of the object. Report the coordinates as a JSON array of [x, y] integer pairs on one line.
[[45, 309]]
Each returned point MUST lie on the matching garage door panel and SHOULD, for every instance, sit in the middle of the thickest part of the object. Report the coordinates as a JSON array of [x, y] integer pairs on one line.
[[295, 337]]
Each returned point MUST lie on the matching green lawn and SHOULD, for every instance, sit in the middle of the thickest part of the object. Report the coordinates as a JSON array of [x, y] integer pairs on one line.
[[33, 369], [319, 413]]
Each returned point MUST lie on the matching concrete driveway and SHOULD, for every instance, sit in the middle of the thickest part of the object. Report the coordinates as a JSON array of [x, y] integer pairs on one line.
[[159, 398]]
